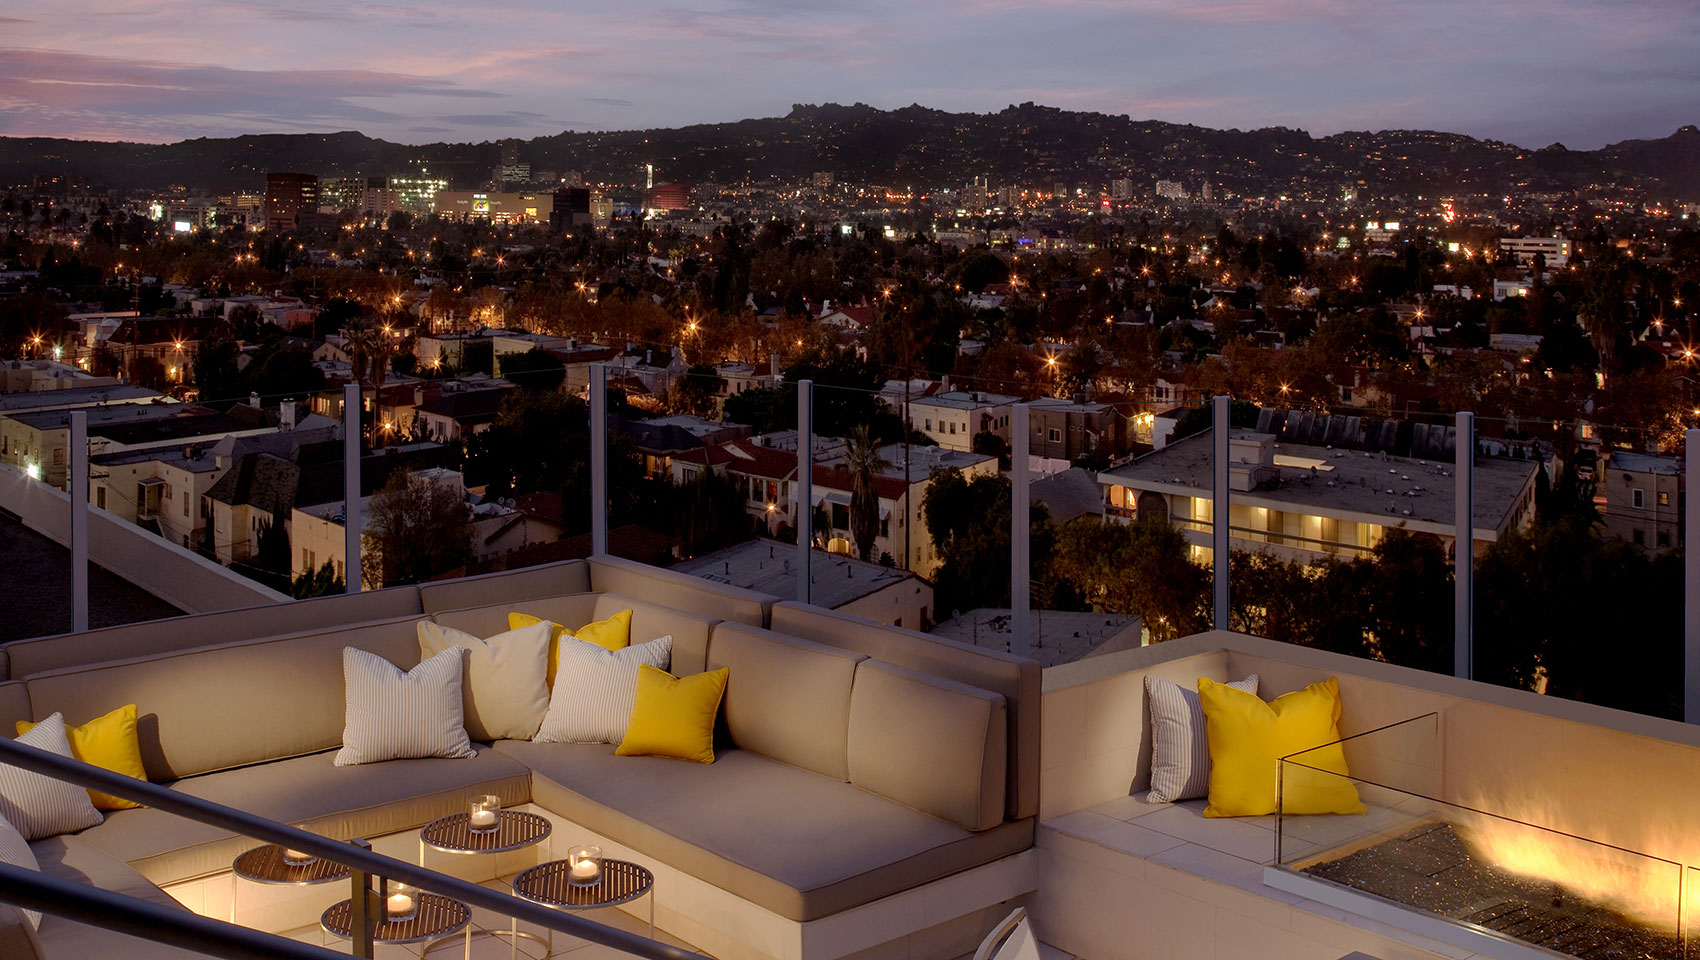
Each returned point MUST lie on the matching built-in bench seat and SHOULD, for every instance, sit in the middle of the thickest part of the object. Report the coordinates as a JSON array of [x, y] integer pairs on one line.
[[371, 800], [799, 844], [73, 858]]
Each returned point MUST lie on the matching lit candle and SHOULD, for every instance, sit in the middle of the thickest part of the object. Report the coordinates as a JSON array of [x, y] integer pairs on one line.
[[585, 870], [296, 858], [483, 819], [400, 905]]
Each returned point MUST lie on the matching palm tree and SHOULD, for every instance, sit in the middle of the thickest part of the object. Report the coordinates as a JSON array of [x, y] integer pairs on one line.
[[369, 353], [862, 459]]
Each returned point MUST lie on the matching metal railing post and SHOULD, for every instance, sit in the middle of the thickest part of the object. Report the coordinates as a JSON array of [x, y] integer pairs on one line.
[[350, 488], [1691, 582], [598, 459], [1219, 511], [805, 483], [78, 458], [1020, 535], [365, 908], [1463, 548]]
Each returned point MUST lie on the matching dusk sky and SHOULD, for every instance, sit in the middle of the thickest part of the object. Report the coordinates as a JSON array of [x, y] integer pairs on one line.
[[1584, 72]]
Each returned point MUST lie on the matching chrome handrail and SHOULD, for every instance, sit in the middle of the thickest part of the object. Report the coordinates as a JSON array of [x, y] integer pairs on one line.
[[351, 855], [82, 903]]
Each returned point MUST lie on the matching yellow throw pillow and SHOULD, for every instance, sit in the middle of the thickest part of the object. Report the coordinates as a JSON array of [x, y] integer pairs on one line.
[[674, 716], [1249, 737], [110, 743], [614, 633]]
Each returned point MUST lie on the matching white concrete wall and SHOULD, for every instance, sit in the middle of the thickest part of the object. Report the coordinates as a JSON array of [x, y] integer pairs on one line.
[[181, 578]]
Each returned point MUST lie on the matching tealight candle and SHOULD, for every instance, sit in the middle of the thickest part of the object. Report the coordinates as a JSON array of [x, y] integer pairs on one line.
[[400, 906], [296, 858], [485, 813], [584, 866]]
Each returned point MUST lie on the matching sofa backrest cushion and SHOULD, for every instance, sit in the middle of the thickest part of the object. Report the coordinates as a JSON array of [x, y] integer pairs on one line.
[[14, 705], [1017, 679], [929, 743], [680, 591], [506, 586], [231, 705], [786, 699], [690, 631], [152, 637], [17, 935]]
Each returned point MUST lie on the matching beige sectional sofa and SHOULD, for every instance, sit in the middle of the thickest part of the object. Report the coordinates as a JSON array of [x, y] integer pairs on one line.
[[856, 762]]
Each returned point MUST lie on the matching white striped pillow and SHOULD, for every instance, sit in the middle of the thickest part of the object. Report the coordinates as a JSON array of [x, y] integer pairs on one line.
[[391, 715], [41, 806], [1180, 749], [15, 850], [596, 688]]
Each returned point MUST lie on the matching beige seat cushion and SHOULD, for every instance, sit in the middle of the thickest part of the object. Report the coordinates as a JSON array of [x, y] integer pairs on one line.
[[309, 792], [786, 699], [71, 858], [799, 844]]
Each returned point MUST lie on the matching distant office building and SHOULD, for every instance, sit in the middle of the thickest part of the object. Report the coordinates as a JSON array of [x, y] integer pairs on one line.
[[341, 193], [668, 196], [822, 179], [418, 194], [1171, 190], [1207, 192], [1121, 189], [1555, 249], [288, 197], [571, 209], [572, 178], [378, 200], [466, 205]]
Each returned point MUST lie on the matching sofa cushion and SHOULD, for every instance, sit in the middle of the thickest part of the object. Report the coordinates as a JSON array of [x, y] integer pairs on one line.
[[929, 743], [1016, 678], [799, 844], [787, 699], [503, 693], [396, 714], [311, 793], [39, 805], [216, 708], [14, 704], [17, 935], [595, 689], [153, 637], [680, 591], [529, 583], [71, 858]]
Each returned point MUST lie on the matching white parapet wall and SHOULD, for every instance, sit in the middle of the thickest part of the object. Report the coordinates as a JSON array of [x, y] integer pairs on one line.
[[180, 577]]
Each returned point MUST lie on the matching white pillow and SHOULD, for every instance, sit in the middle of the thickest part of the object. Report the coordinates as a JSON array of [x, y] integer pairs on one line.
[[15, 850], [505, 691], [41, 806], [595, 690], [1180, 750], [391, 715]]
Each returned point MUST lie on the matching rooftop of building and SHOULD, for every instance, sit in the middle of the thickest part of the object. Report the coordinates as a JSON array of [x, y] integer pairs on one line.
[[76, 396], [1382, 486], [98, 417], [770, 566], [1057, 636], [1643, 463], [965, 400]]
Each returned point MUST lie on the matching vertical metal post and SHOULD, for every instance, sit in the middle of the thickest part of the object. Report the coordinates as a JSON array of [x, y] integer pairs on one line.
[[598, 459], [1463, 548], [1691, 582], [78, 457], [351, 488], [805, 483], [365, 907], [1219, 510], [1020, 531]]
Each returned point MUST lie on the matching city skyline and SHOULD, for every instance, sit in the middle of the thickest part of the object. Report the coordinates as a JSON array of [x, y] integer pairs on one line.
[[1582, 72]]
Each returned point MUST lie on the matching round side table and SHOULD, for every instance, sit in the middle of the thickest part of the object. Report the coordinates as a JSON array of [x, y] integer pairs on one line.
[[265, 864], [515, 830], [621, 882], [436, 918]]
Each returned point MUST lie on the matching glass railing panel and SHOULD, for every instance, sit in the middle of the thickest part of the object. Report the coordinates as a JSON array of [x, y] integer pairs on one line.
[[1478, 868]]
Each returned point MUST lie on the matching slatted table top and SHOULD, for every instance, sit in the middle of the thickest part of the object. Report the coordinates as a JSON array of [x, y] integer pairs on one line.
[[515, 830], [550, 885], [436, 916], [265, 864]]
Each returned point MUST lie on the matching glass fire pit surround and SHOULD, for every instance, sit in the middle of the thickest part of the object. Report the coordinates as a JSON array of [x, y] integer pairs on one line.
[[1468, 875]]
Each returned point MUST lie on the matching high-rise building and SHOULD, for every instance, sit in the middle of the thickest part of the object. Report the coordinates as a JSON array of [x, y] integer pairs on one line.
[[1121, 189], [418, 194], [288, 196], [572, 209], [668, 196], [341, 193], [1171, 190]]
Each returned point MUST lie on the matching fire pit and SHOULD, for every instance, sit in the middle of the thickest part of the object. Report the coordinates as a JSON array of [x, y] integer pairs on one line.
[[1429, 867], [1490, 874]]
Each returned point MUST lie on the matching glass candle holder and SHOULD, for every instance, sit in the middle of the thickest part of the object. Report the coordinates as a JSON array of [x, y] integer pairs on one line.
[[584, 866], [295, 858], [485, 814], [401, 902]]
